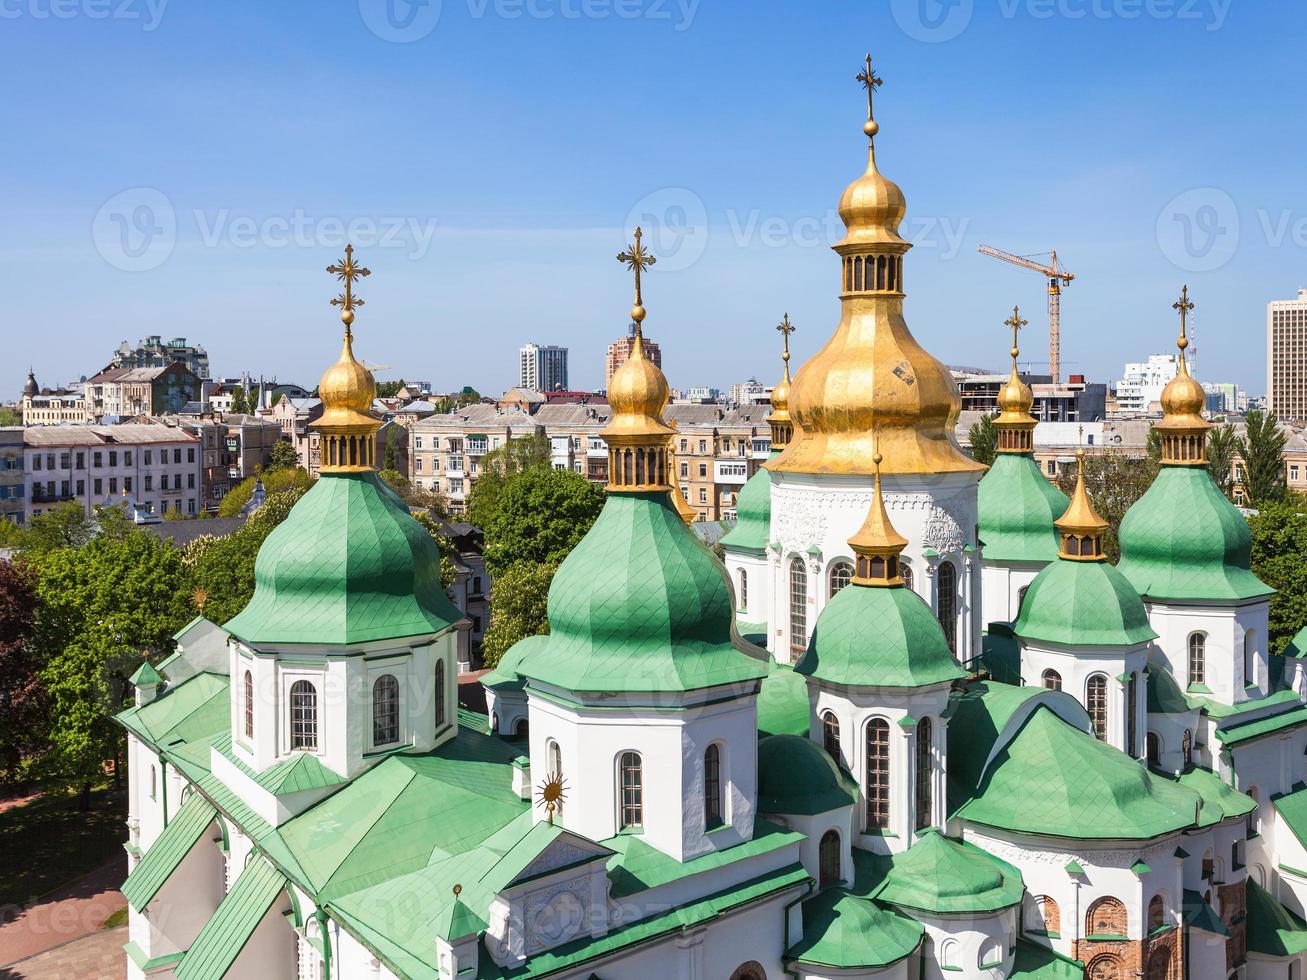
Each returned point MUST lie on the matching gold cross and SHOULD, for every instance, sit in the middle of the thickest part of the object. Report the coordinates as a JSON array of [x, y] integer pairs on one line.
[[786, 328], [1184, 306], [1016, 323], [637, 260], [347, 272], [870, 81]]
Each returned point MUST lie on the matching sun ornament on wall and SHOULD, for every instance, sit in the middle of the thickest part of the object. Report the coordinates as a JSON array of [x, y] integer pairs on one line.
[[552, 793]]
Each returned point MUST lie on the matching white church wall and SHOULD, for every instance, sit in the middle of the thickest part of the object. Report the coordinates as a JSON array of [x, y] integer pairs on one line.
[[1000, 589], [969, 947], [752, 602], [1076, 665], [1225, 629]]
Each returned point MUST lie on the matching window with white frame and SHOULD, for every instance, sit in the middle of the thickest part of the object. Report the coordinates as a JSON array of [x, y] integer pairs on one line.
[[303, 716]]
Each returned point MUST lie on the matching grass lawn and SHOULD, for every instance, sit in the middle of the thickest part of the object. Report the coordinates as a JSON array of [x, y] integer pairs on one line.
[[47, 843]]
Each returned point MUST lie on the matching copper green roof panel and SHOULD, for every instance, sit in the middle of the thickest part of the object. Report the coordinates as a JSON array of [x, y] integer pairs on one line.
[[1184, 540], [1262, 726], [197, 707], [1272, 929], [752, 514], [230, 804], [783, 701], [1220, 800], [349, 565], [302, 771], [796, 776], [1297, 647], [1292, 808], [1085, 788], [1164, 694], [941, 875], [183, 832], [640, 605], [145, 675], [1036, 962], [1083, 603], [1221, 711], [755, 633], [843, 931], [1199, 914], [224, 936], [504, 677], [878, 637], [1017, 506]]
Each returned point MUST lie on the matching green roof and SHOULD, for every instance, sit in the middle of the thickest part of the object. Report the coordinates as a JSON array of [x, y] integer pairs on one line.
[[504, 677], [1085, 788], [1164, 694], [1036, 962], [1184, 540], [796, 776], [1220, 800], [348, 565], [145, 676], [752, 514], [941, 875], [183, 832], [844, 931], [1000, 654], [1017, 506], [1297, 647], [1272, 929], [879, 637], [197, 707], [783, 701], [298, 772], [1262, 726], [1292, 808], [239, 913], [640, 605], [1083, 603], [1199, 914]]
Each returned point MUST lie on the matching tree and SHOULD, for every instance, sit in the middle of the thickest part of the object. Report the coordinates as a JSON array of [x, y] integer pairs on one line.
[[984, 440], [1114, 482], [22, 701], [541, 515], [1222, 448], [1279, 532], [391, 456], [282, 456], [240, 402], [65, 526], [10, 416], [1261, 448], [389, 389], [461, 399], [431, 502], [519, 600], [274, 481], [498, 468]]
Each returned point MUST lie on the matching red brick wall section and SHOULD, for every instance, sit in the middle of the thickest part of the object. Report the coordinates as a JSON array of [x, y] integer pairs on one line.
[[1234, 913], [1113, 960]]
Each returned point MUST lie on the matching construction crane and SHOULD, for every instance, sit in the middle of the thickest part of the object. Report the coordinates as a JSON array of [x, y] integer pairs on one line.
[[1057, 278]]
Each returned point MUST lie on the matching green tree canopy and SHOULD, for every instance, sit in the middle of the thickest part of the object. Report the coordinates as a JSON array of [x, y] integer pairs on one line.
[[23, 716], [274, 481], [240, 401], [64, 526], [1222, 448], [541, 515], [498, 468], [282, 456], [417, 498], [388, 389], [519, 599], [10, 416], [1114, 481], [1261, 448], [1279, 533], [984, 440]]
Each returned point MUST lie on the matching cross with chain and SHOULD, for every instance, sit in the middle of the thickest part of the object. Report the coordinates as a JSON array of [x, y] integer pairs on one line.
[[348, 272], [637, 260], [1016, 323], [786, 328], [870, 81], [1184, 305]]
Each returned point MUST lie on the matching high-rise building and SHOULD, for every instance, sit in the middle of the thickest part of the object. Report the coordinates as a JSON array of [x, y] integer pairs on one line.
[[542, 367], [1286, 357], [1141, 386], [619, 351]]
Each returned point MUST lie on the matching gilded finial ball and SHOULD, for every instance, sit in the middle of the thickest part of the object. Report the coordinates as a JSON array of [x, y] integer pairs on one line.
[[1014, 352], [871, 127], [1182, 343], [637, 313], [347, 317], [876, 457]]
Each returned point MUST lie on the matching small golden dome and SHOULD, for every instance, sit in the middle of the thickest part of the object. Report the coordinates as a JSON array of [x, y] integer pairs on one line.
[[872, 207], [347, 389], [1080, 527], [782, 426], [1015, 397], [638, 394], [1183, 395], [877, 544], [1183, 428]]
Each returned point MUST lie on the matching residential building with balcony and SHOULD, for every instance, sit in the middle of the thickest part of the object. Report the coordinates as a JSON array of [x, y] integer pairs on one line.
[[446, 450], [717, 449], [542, 367], [153, 352], [13, 493], [1140, 389], [42, 406], [125, 392]]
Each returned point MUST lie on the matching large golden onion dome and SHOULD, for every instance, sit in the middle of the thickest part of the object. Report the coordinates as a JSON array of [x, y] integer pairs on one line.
[[638, 394], [347, 389], [1183, 428], [872, 374]]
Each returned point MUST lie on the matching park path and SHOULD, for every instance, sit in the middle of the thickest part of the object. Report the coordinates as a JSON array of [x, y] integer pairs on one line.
[[98, 956], [69, 913]]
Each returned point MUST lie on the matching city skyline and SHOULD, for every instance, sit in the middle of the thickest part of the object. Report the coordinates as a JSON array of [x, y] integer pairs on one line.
[[1114, 169]]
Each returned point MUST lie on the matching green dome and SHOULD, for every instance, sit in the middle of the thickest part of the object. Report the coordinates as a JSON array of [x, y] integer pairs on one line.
[[1085, 604], [783, 702], [348, 565], [1184, 540], [1017, 506], [640, 605], [878, 637], [847, 932], [938, 874], [752, 514], [797, 777]]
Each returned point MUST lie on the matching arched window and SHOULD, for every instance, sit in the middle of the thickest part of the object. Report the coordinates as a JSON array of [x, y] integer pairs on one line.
[[830, 736], [1187, 748], [828, 859], [925, 774], [1132, 715], [749, 971], [947, 605], [1156, 913], [1159, 963], [840, 574], [948, 955], [554, 755], [1106, 917], [303, 716], [744, 590], [878, 774], [905, 573], [632, 795], [1096, 704], [1197, 658], [798, 606], [385, 710], [1249, 649], [441, 694], [1153, 748], [248, 694], [1048, 917], [712, 787], [1052, 680]]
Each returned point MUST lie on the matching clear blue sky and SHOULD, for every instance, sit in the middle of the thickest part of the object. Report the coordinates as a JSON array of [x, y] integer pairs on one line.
[[512, 140]]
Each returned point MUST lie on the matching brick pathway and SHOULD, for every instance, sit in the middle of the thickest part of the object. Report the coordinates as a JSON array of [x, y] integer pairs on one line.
[[72, 912], [96, 957]]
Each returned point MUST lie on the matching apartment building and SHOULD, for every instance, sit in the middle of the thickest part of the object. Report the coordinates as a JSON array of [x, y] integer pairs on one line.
[[12, 491], [233, 448], [445, 451], [717, 449], [1075, 400], [125, 392], [154, 352], [41, 406], [542, 367], [1141, 384], [574, 440], [1286, 357], [157, 466]]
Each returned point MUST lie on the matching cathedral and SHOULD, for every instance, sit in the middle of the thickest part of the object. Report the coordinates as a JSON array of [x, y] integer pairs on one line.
[[915, 725]]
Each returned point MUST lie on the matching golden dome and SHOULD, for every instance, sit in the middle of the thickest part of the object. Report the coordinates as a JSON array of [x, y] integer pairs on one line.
[[638, 394], [1183, 428], [873, 206], [782, 426], [1080, 527], [877, 544], [1014, 422], [347, 389]]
